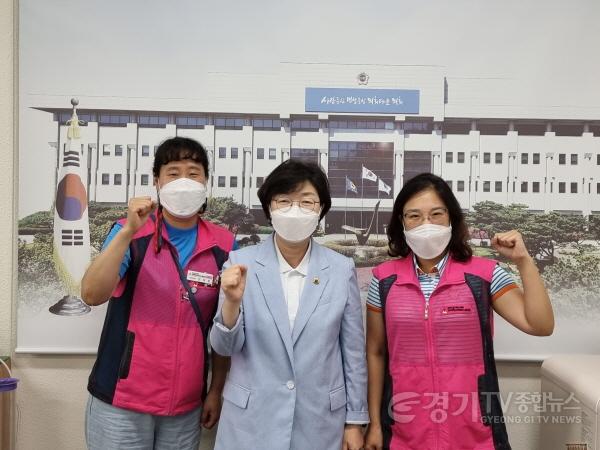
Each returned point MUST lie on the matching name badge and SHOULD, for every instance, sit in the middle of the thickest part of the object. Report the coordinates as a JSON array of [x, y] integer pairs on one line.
[[200, 277]]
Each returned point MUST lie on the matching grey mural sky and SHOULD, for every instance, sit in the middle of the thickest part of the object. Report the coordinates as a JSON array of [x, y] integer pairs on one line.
[[157, 49]]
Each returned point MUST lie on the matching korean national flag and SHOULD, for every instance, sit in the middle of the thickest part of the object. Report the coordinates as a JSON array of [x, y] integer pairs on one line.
[[368, 175]]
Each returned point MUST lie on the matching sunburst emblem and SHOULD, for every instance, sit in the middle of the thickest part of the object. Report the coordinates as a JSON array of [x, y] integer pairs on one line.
[[363, 78]]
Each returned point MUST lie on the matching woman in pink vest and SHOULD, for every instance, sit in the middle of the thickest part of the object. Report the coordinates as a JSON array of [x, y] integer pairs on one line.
[[432, 376], [159, 271]]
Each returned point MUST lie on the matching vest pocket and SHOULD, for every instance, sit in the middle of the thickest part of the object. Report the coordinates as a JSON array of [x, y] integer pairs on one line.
[[126, 357]]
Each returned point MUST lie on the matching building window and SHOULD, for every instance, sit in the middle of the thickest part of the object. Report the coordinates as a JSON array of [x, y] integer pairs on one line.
[[153, 121], [535, 187], [233, 182], [347, 157], [234, 153], [498, 186], [105, 178], [524, 158], [536, 158], [230, 123], [260, 153], [191, 121], [222, 152], [460, 186], [486, 186], [115, 120], [117, 179], [354, 124], [449, 183], [266, 124], [221, 182], [449, 156], [144, 180], [118, 150], [106, 150], [598, 159], [498, 158], [272, 153], [573, 188], [597, 188], [259, 181], [562, 187], [486, 158], [305, 125], [562, 159], [523, 186], [417, 127], [574, 159], [145, 150], [461, 157]]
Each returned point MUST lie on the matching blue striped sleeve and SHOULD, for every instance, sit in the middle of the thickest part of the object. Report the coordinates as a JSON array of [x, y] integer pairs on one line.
[[502, 282], [373, 300]]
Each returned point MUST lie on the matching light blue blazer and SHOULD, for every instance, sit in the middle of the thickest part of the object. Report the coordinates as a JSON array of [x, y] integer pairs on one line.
[[293, 389]]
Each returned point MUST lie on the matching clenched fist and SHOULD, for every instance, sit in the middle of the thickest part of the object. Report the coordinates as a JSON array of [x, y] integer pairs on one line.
[[138, 211], [233, 283], [510, 245]]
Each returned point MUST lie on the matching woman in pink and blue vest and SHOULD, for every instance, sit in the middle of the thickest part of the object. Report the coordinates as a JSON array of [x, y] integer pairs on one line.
[[432, 376], [160, 270]]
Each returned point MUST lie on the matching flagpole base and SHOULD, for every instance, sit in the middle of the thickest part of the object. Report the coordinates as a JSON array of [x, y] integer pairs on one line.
[[70, 305]]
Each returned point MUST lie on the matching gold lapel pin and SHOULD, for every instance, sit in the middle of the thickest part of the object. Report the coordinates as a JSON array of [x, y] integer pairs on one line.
[[316, 280]]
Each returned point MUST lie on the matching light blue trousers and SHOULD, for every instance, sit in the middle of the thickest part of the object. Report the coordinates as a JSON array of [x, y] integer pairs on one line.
[[110, 428]]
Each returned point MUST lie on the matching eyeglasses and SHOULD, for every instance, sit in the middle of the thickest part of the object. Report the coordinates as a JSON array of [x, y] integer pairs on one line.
[[438, 216], [306, 205]]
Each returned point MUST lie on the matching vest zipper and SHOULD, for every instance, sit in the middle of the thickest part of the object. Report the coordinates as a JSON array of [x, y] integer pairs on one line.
[[176, 368], [431, 352]]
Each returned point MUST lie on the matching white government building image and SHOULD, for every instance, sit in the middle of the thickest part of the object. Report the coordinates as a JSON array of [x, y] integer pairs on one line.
[[370, 127]]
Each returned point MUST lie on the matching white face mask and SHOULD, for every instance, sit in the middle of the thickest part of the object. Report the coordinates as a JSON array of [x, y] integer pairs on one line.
[[182, 197], [294, 225], [428, 240]]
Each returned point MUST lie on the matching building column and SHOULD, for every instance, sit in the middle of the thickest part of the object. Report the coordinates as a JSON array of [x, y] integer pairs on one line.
[[398, 164], [473, 177], [247, 176]]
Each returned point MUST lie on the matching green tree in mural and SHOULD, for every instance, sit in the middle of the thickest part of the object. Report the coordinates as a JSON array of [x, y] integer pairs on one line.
[[225, 211], [36, 262], [594, 228], [542, 232], [577, 271]]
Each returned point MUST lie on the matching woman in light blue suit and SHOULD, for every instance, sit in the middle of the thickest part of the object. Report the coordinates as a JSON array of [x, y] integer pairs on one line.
[[290, 317]]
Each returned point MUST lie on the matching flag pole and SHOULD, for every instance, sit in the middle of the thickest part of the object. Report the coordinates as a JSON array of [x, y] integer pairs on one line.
[[346, 208], [362, 197], [377, 216]]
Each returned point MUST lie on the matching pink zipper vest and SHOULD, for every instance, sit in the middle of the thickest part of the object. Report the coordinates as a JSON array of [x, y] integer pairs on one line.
[[152, 352], [441, 387]]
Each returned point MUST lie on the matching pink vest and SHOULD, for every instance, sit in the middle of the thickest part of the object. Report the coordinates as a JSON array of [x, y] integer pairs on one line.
[[441, 390], [152, 352]]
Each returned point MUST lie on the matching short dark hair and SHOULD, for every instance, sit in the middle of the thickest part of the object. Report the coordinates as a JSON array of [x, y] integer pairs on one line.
[[288, 176], [458, 247], [178, 149]]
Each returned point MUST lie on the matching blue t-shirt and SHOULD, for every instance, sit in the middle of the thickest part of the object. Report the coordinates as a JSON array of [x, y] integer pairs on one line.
[[184, 240]]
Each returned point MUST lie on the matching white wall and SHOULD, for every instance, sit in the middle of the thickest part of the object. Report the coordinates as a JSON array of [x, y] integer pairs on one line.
[[7, 166], [51, 395]]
